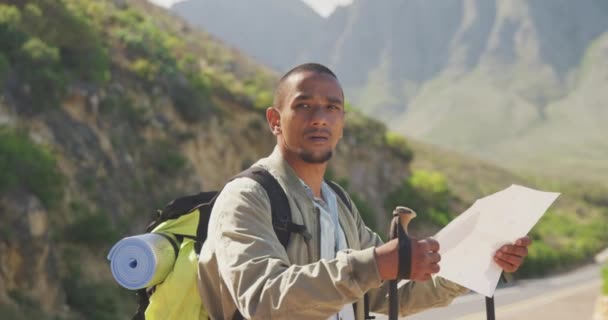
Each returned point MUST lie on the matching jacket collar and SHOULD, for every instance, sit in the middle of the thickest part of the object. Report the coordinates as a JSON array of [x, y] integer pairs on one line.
[[276, 164]]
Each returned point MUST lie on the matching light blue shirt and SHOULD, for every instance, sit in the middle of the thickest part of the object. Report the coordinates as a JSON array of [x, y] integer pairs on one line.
[[332, 235]]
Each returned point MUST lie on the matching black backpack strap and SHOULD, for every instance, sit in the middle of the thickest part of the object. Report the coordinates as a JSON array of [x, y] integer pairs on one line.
[[338, 190], [279, 205], [143, 300]]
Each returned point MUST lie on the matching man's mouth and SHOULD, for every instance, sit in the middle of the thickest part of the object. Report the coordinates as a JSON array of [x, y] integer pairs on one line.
[[318, 138]]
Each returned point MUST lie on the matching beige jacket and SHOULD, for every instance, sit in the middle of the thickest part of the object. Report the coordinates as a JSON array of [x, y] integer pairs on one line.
[[243, 265]]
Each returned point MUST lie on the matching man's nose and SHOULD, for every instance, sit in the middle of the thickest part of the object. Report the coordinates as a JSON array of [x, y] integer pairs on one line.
[[320, 116]]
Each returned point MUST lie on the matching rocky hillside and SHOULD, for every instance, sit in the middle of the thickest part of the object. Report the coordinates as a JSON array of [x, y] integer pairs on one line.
[[108, 109], [515, 82]]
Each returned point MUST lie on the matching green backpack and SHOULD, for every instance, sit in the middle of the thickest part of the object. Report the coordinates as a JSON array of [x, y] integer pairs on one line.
[[184, 221]]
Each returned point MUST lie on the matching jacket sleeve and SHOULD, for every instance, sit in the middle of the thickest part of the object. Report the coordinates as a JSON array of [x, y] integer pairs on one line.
[[256, 270], [414, 296]]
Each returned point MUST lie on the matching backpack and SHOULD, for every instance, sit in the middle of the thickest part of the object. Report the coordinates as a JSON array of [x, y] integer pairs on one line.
[[184, 221]]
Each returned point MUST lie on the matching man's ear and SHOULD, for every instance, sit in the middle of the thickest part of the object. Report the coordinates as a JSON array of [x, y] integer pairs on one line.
[[273, 117]]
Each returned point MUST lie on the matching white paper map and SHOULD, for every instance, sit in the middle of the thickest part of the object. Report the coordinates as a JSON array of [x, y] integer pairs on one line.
[[469, 242]]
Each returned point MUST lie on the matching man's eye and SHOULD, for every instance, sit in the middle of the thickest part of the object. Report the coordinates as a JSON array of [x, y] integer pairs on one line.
[[333, 107], [303, 106]]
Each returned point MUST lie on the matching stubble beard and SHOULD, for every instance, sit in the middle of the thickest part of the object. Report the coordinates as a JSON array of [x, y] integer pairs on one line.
[[310, 157]]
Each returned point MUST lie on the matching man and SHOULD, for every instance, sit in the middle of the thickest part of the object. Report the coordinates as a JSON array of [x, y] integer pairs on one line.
[[243, 268]]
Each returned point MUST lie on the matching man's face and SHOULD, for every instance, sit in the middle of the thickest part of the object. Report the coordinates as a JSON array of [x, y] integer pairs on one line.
[[311, 117]]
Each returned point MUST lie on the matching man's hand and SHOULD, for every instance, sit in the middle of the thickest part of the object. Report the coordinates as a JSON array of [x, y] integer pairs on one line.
[[510, 256], [424, 260]]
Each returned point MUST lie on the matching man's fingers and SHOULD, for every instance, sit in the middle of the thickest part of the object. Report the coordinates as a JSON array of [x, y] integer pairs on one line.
[[524, 241], [434, 257], [425, 259], [514, 250], [505, 265], [511, 259], [511, 256], [432, 244]]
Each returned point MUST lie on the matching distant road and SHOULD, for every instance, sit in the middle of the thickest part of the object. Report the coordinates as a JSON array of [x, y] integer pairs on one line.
[[564, 297]]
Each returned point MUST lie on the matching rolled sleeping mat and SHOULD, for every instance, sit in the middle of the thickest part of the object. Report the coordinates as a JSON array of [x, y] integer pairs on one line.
[[142, 261]]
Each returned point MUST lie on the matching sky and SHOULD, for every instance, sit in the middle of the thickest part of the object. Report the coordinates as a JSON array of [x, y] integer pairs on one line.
[[323, 7]]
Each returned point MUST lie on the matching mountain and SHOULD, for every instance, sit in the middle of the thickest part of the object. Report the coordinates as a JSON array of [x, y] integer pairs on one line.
[[493, 79], [243, 24]]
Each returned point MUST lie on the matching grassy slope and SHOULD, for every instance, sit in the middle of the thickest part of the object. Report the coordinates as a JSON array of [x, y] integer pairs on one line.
[[573, 229]]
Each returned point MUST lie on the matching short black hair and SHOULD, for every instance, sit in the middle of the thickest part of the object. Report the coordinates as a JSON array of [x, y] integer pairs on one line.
[[305, 67]]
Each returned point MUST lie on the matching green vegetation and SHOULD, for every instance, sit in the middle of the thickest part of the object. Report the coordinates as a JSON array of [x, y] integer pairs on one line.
[[92, 229], [71, 41], [363, 130], [261, 98], [158, 57], [427, 193], [4, 68], [165, 158], [561, 241], [569, 234], [24, 312], [46, 52], [25, 165], [399, 145], [94, 300]]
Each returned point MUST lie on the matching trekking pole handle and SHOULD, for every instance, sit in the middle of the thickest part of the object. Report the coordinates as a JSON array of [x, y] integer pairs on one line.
[[405, 216], [401, 220]]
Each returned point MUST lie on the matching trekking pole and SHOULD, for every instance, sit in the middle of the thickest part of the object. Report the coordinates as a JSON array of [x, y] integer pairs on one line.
[[398, 230], [490, 314], [490, 308]]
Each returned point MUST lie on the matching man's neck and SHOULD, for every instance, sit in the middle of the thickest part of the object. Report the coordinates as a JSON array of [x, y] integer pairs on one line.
[[311, 173]]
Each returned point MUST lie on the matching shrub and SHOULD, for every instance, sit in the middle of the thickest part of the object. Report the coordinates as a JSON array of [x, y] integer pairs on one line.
[[10, 37], [29, 166], [39, 52], [363, 130], [41, 69], [399, 145], [4, 68], [9, 15], [66, 26], [95, 300], [426, 192], [21, 312], [263, 100], [123, 106], [165, 158], [561, 241], [191, 97], [145, 69], [169, 162], [91, 229]]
